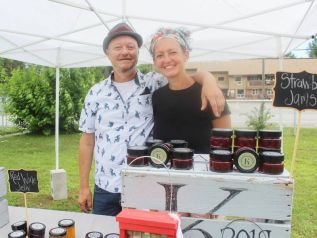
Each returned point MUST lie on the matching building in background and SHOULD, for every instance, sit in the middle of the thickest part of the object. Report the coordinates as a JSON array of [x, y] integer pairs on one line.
[[251, 79]]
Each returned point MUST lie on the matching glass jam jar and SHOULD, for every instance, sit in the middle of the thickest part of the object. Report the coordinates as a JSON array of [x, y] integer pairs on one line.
[[58, 232], [179, 143], [220, 161], [17, 234], [150, 142], [271, 162], [246, 160], [161, 154], [270, 140], [37, 230], [221, 139], [20, 226], [182, 158], [135, 152], [245, 138], [69, 225], [94, 234]]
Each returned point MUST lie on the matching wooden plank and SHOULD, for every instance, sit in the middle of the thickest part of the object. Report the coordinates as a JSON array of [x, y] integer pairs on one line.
[[204, 228]]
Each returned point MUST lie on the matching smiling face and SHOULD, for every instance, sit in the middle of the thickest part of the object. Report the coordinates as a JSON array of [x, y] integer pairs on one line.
[[123, 53], [169, 58]]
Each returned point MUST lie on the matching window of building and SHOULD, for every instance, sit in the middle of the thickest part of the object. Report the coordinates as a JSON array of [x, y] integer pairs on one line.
[[254, 92], [269, 92], [221, 78], [240, 93], [237, 80], [255, 77]]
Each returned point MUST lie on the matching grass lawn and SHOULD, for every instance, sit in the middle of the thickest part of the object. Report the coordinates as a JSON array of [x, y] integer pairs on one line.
[[38, 152]]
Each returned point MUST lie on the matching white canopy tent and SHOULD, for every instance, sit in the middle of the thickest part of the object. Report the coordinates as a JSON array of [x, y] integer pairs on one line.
[[69, 33]]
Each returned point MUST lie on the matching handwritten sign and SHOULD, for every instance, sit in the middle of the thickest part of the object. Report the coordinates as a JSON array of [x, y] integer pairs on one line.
[[296, 90], [23, 181]]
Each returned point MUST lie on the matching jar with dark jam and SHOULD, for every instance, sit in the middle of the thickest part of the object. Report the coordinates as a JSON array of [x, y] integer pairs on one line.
[[58, 232], [137, 151], [17, 234], [270, 140], [94, 234], [150, 142], [246, 160], [69, 225], [271, 162], [20, 226], [182, 158], [221, 139], [245, 138], [160, 155], [37, 230], [220, 161], [178, 143]]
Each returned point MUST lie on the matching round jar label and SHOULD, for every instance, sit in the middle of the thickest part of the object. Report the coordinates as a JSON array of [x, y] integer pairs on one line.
[[19, 223], [58, 231], [16, 234], [37, 226], [94, 235], [247, 161], [66, 222], [160, 155]]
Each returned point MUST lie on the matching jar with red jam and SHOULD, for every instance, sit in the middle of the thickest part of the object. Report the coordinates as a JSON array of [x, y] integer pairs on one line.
[[134, 157], [179, 143], [246, 160], [271, 162], [182, 158], [160, 155], [221, 139], [220, 161], [245, 138], [37, 230], [270, 140]]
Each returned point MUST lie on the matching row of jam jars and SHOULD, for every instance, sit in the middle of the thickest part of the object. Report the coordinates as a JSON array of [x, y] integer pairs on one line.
[[270, 140], [221, 139]]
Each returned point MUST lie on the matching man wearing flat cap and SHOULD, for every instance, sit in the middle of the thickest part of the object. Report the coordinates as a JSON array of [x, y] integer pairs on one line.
[[117, 113]]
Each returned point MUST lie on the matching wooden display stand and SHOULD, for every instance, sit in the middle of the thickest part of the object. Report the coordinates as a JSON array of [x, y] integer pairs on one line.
[[250, 205]]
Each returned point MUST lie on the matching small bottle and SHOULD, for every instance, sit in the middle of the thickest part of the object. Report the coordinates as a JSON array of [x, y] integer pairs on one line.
[[160, 155], [58, 232], [245, 138], [270, 140], [94, 234], [271, 162], [17, 234], [150, 142], [37, 230], [221, 139], [137, 151], [179, 143], [220, 161], [69, 225], [246, 160], [182, 158], [20, 225]]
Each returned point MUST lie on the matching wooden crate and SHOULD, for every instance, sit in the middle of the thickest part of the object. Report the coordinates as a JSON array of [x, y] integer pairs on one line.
[[250, 203]]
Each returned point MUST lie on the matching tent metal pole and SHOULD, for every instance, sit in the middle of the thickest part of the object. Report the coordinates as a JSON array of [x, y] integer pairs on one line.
[[97, 14], [57, 119]]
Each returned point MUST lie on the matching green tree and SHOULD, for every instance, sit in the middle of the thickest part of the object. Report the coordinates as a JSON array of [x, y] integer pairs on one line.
[[145, 68], [290, 55], [259, 118], [313, 48]]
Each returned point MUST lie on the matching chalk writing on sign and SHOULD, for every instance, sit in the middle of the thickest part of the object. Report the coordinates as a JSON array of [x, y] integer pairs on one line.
[[23, 181], [296, 90]]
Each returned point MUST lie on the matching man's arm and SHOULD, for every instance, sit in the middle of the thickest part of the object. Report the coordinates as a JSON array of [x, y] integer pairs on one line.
[[210, 92], [86, 149]]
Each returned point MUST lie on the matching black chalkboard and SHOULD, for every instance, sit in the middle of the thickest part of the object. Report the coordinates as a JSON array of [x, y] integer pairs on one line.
[[296, 90], [23, 181]]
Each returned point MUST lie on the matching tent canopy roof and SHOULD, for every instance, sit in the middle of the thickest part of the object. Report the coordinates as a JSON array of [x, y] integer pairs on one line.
[[69, 33]]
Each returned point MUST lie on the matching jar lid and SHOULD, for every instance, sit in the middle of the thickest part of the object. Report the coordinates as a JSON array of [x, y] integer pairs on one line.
[[17, 234], [138, 150], [66, 223], [58, 231], [222, 132], [221, 155], [270, 133], [272, 157], [37, 226], [182, 153], [245, 133], [161, 154], [20, 225], [246, 160], [179, 143], [151, 142], [94, 234]]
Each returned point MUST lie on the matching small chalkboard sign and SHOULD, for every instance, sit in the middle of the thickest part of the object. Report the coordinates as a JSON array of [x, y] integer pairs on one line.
[[296, 90], [23, 181]]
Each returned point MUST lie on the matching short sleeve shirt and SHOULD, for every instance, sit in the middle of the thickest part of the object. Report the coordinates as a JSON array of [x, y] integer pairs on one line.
[[117, 124]]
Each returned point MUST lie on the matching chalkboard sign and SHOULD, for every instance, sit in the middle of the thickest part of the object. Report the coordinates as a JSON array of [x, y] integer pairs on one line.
[[23, 181], [296, 90]]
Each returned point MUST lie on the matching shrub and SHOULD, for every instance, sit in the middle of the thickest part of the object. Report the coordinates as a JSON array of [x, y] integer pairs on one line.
[[259, 118]]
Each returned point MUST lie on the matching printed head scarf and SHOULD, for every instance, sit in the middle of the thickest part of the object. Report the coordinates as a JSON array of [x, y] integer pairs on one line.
[[180, 34]]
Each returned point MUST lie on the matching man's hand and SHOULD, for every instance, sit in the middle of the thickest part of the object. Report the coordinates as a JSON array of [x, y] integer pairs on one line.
[[84, 200]]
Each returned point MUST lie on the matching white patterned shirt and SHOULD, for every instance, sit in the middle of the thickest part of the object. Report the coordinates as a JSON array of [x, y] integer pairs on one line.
[[117, 124]]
